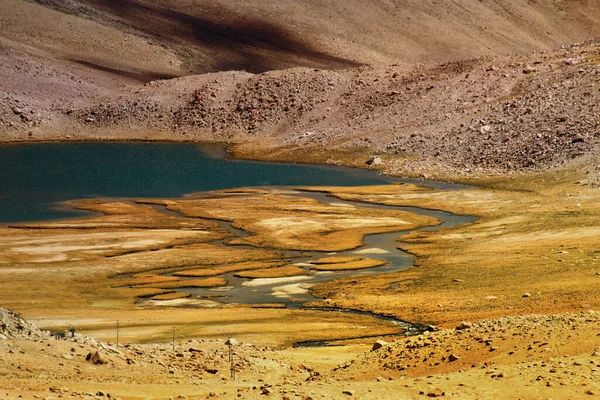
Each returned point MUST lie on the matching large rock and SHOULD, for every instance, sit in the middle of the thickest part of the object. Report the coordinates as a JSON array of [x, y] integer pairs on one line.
[[374, 161], [95, 358], [437, 392], [463, 325], [379, 344]]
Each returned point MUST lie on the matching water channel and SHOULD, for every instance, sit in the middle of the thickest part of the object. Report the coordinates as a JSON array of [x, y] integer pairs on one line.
[[293, 291]]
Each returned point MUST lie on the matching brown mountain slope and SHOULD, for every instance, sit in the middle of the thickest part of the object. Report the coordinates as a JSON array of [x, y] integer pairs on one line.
[[486, 115], [257, 36]]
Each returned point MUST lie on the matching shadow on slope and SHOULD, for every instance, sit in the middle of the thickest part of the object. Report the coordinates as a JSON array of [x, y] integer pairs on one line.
[[219, 40], [136, 74]]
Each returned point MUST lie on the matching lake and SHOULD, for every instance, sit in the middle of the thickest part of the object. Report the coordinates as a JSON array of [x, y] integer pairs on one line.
[[35, 177]]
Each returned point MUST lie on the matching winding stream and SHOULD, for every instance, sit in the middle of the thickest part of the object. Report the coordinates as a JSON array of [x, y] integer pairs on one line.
[[293, 291]]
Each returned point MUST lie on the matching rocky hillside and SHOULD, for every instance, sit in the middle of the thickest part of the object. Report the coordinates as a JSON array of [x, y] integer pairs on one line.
[[508, 340], [13, 326], [485, 115]]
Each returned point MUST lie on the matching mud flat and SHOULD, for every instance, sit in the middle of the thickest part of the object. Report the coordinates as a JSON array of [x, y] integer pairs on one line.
[[311, 266], [100, 268], [530, 250]]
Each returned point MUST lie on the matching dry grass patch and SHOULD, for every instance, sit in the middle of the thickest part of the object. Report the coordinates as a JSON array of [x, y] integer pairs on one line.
[[281, 272], [267, 305], [361, 264], [200, 272], [171, 296], [296, 223], [57, 245], [143, 279], [146, 292], [532, 250], [191, 283], [119, 215], [392, 189], [335, 260]]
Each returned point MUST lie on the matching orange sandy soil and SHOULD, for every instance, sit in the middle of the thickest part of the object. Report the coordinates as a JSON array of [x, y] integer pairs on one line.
[[171, 296], [290, 270], [335, 260], [243, 266]]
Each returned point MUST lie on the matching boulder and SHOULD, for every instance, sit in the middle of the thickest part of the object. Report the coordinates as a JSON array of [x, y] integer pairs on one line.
[[578, 139], [95, 358], [463, 325], [529, 69], [379, 344], [437, 392], [374, 161], [266, 390]]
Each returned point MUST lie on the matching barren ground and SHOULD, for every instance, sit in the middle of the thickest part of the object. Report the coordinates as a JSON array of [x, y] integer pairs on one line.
[[501, 95]]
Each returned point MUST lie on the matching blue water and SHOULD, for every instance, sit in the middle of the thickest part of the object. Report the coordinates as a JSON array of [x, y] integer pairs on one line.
[[35, 177]]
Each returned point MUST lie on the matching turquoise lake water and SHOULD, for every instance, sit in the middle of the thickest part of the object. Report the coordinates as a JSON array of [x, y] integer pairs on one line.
[[35, 177]]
